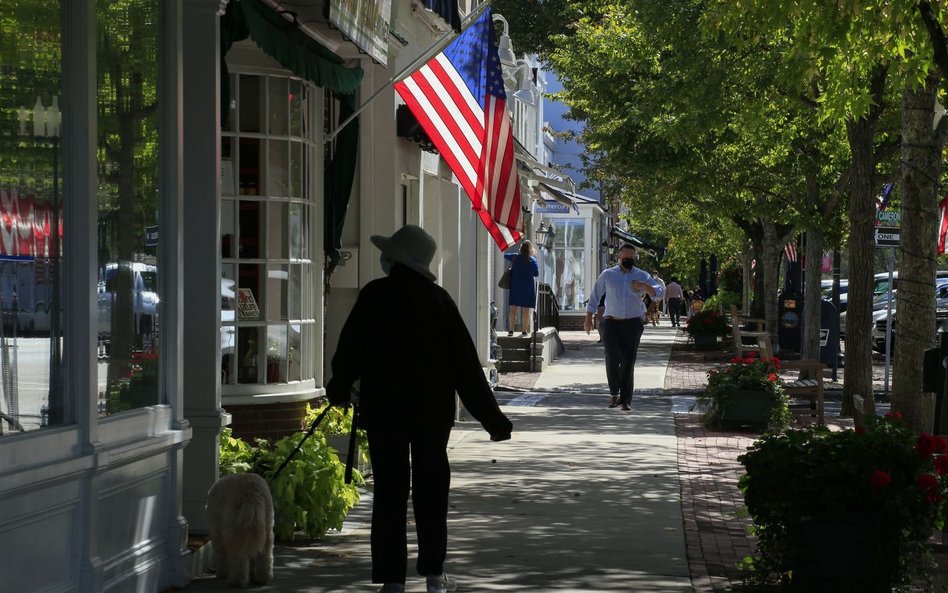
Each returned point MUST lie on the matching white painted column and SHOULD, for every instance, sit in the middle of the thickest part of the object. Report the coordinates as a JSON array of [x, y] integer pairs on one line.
[[80, 312], [171, 278], [451, 241], [431, 216], [201, 241]]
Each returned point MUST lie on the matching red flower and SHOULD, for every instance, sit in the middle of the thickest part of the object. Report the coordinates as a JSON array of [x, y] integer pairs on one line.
[[879, 479], [737, 360], [893, 416], [860, 430], [751, 355], [772, 377], [941, 465], [928, 483], [925, 445], [941, 445]]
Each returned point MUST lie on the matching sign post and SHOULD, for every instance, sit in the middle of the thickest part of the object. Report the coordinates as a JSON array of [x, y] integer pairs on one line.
[[888, 235]]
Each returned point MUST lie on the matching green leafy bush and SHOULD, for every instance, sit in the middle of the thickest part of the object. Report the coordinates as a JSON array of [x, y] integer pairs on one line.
[[723, 299], [892, 480], [310, 494]]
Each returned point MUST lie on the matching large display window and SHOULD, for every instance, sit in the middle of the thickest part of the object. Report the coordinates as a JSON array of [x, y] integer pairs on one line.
[[565, 263], [267, 290], [31, 198]]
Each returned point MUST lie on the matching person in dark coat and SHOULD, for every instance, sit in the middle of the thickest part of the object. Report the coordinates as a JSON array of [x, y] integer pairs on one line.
[[406, 342], [523, 288]]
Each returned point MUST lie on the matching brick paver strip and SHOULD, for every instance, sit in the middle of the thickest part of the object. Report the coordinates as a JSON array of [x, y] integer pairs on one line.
[[716, 529]]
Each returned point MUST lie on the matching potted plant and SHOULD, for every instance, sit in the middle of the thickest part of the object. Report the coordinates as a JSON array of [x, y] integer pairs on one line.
[[844, 510], [747, 392], [705, 326]]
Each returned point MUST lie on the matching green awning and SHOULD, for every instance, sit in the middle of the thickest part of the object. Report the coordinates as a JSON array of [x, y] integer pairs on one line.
[[283, 41]]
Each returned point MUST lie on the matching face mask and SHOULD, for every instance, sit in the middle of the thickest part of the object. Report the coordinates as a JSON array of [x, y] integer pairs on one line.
[[627, 263], [386, 266]]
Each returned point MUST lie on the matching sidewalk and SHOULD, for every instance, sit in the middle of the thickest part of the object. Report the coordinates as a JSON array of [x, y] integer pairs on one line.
[[583, 498]]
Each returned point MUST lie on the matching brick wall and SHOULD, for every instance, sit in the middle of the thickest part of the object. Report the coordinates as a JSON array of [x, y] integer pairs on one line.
[[571, 322], [268, 421]]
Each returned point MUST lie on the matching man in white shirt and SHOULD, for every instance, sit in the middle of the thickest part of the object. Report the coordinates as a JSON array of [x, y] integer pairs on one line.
[[623, 321], [663, 305], [674, 296]]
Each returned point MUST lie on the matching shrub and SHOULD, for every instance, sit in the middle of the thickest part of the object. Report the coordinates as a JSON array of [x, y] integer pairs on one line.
[[310, 494], [892, 479], [746, 374], [707, 322]]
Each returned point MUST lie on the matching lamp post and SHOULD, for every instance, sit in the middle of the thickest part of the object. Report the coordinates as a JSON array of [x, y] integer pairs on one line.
[[46, 125]]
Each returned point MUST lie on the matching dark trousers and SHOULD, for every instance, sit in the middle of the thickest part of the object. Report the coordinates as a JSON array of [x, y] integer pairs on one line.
[[674, 311], [620, 339], [406, 459]]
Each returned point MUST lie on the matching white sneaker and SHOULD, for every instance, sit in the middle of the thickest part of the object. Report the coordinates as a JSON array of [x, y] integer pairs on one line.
[[392, 588], [441, 584]]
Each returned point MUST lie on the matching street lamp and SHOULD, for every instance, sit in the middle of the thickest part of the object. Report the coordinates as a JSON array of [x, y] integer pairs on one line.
[[545, 236]]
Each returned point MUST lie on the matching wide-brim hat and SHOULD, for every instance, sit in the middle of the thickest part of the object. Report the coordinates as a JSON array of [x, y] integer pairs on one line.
[[409, 246]]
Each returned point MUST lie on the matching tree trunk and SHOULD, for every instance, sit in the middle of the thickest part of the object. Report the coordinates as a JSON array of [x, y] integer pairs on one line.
[[810, 348], [915, 321], [862, 208], [771, 252]]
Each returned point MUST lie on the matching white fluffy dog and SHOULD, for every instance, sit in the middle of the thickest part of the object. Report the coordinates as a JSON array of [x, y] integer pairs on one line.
[[240, 513]]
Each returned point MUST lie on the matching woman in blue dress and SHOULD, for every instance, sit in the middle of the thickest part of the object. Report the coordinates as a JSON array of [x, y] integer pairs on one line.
[[523, 290]]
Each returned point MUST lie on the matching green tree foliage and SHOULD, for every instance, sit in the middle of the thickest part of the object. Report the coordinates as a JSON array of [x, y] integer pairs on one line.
[[690, 124]]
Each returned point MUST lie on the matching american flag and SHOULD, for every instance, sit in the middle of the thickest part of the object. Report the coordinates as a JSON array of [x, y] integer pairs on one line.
[[942, 224], [790, 250], [458, 97]]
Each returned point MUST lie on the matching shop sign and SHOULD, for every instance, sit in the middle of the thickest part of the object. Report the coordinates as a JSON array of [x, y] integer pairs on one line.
[[554, 208], [151, 236], [246, 304], [366, 23]]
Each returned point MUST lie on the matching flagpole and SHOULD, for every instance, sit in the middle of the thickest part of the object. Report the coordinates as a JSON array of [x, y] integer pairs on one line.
[[424, 57]]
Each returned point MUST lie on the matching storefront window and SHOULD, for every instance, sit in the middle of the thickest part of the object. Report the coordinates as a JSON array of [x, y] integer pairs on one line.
[[267, 323], [31, 222], [127, 88], [568, 263]]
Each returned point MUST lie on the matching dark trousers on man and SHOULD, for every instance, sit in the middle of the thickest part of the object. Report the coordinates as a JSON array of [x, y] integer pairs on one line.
[[620, 339], [674, 311], [406, 459]]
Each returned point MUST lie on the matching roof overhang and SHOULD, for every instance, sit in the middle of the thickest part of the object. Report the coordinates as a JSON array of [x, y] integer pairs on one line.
[[640, 244]]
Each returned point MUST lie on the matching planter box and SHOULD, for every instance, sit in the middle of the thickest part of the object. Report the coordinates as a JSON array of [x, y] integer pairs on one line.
[[747, 408], [705, 342], [850, 554]]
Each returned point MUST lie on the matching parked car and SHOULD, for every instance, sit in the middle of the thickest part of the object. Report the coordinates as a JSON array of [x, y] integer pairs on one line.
[[880, 316], [826, 290]]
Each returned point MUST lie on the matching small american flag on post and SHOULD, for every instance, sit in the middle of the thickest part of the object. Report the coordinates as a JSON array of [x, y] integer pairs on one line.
[[790, 250], [458, 98]]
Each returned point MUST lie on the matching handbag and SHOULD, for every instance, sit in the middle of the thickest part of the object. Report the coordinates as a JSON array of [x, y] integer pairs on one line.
[[504, 281]]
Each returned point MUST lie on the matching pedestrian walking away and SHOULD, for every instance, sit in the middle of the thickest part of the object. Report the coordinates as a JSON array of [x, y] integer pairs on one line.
[[623, 321], [523, 289], [407, 344], [675, 297], [663, 302]]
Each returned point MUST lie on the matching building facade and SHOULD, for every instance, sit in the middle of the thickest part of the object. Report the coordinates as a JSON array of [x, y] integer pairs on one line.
[[169, 198]]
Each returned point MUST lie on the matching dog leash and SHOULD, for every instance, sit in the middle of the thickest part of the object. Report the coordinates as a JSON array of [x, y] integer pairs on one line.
[[312, 428]]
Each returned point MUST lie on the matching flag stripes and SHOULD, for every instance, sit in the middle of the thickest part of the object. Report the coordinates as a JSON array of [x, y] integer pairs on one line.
[[459, 100]]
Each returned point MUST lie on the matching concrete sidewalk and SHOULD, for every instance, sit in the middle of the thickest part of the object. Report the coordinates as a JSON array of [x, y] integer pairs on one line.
[[583, 498]]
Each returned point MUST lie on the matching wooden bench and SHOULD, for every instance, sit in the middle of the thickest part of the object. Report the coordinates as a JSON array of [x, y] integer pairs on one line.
[[760, 343], [808, 385], [859, 411]]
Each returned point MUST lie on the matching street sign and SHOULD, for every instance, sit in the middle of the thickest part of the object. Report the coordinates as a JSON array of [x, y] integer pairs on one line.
[[889, 218], [887, 236]]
